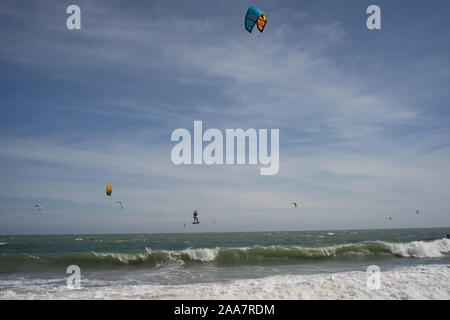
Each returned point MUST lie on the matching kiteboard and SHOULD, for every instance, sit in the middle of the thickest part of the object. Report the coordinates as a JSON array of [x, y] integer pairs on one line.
[[195, 222]]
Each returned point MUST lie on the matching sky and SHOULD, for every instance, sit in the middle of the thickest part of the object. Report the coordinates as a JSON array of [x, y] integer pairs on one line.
[[363, 115]]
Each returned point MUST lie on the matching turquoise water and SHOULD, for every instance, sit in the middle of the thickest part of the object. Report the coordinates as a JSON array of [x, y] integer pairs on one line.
[[26, 262]]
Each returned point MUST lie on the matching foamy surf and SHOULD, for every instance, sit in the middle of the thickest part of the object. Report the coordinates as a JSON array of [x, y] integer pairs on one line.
[[417, 282], [257, 255], [421, 249]]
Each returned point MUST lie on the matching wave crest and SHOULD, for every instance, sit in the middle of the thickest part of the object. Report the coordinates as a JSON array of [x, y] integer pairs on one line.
[[420, 249], [226, 256]]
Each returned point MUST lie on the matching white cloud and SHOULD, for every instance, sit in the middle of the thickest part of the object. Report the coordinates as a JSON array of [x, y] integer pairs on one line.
[[340, 147]]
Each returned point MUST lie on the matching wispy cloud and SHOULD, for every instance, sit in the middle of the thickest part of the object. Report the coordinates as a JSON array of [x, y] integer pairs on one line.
[[355, 144]]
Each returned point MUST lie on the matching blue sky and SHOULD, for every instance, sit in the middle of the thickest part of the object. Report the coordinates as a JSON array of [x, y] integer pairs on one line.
[[363, 115]]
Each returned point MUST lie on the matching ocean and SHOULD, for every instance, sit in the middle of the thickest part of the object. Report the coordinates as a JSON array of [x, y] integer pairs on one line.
[[412, 264]]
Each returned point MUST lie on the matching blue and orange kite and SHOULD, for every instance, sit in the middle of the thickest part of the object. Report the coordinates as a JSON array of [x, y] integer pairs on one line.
[[255, 16]]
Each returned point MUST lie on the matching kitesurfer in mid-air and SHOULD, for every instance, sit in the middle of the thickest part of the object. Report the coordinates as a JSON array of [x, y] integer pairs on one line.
[[195, 217]]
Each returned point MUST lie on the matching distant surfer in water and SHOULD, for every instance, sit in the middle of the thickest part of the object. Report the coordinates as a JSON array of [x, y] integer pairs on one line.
[[448, 236], [195, 217]]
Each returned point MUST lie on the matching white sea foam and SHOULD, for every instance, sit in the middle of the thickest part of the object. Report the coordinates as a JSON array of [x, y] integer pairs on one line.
[[421, 249], [203, 254], [418, 282]]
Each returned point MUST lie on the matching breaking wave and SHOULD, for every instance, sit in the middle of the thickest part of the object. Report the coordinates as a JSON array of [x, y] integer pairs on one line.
[[257, 255]]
